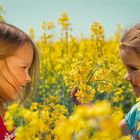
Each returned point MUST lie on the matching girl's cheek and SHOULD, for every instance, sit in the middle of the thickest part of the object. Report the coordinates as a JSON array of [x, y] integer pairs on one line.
[[21, 76], [137, 80]]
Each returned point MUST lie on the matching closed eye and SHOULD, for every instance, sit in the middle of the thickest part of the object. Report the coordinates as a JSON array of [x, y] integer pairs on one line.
[[24, 67], [133, 68]]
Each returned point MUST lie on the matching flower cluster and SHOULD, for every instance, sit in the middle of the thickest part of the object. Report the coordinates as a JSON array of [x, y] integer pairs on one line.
[[91, 122]]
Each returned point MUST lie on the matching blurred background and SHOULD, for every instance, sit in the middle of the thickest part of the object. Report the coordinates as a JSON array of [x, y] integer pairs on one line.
[[30, 13]]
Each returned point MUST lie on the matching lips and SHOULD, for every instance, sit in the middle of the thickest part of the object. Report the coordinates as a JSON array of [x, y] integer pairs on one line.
[[134, 85]]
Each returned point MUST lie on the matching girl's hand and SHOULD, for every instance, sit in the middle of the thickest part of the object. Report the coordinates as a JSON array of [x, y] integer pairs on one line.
[[123, 127], [73, 96]]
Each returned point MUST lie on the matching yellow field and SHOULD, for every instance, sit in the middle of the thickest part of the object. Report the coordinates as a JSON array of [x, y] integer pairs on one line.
[[94, 66]]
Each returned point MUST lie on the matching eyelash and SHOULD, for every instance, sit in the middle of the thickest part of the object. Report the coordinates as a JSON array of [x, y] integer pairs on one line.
[[133, 68], [24, 67]]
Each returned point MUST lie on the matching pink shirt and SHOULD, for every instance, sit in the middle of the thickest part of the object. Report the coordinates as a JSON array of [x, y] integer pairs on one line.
[[4, 134]]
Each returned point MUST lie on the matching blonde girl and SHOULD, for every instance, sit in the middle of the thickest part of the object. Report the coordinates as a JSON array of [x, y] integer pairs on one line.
[[19, 63], [130, 56]]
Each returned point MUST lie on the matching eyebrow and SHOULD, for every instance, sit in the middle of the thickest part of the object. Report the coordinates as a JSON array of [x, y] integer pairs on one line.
[[25, 63], [132, 65]]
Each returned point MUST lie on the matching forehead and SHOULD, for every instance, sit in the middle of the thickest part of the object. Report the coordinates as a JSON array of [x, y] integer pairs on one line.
[[25, 49], [129, 57], [24, 55]]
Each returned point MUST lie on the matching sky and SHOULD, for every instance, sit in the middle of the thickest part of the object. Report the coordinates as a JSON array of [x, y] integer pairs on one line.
[[30, 13]]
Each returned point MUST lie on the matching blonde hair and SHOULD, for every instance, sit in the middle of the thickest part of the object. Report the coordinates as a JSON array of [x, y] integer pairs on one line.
[[131, 40], [11, 39]]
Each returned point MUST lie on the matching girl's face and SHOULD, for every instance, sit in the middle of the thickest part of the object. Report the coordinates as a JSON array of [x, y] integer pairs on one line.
[[132, 64], [18, 65]]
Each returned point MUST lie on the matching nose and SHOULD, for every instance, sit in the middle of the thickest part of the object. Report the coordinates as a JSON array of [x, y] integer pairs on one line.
[[127, 77]]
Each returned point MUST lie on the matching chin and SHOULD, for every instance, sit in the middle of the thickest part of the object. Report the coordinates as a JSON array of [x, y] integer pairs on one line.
[[13, 97], [136, 92], [136, 95]]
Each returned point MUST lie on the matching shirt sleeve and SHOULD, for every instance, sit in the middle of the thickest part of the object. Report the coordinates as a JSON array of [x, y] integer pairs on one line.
[[130, 117]]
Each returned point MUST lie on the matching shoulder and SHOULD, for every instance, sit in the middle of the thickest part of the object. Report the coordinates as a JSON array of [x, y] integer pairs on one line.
[[2, 129], [135, 107], [4, 134], [132, 116]]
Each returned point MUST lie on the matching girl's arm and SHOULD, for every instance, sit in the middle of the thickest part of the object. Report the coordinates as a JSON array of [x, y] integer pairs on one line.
[[124, 128]]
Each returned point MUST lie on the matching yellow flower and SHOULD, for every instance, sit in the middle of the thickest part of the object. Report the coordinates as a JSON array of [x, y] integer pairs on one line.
[[50, 25]]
